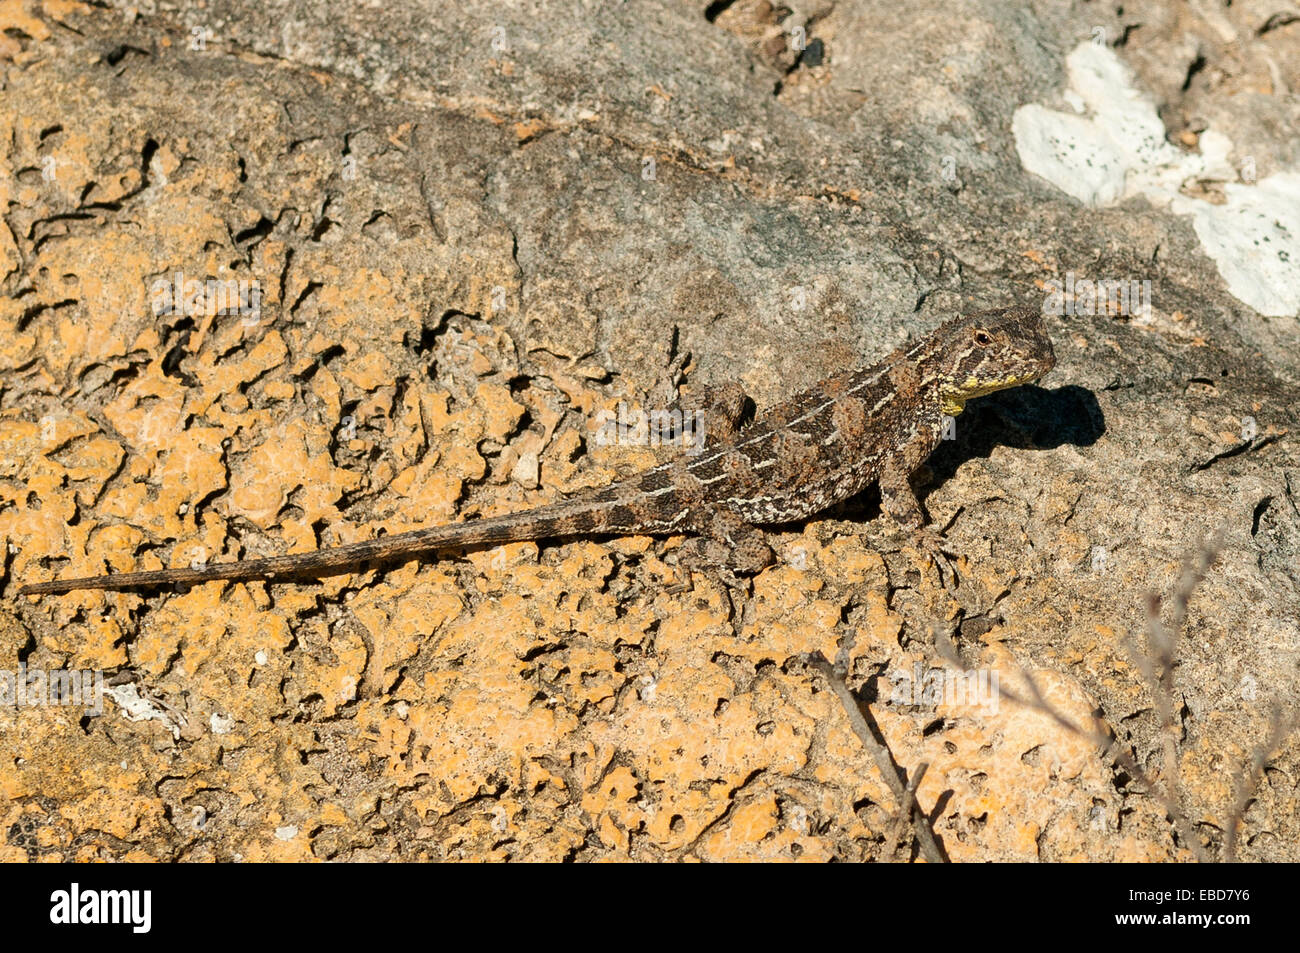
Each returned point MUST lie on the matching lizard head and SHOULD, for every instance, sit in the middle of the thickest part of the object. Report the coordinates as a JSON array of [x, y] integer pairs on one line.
[[988, 351]]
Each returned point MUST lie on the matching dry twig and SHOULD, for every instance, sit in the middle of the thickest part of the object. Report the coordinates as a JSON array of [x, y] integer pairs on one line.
[[869, 735]]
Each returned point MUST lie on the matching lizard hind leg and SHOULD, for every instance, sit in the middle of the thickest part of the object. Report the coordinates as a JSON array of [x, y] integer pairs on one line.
[[722, 412], [727, 542], [713, 416]]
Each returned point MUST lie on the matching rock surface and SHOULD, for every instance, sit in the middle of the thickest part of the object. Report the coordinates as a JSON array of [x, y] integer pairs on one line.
[[459, 240]]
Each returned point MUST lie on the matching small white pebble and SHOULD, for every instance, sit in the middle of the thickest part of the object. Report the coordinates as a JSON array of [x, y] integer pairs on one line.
[[347, 689], [799, 820], [526, 471], [649, 688]]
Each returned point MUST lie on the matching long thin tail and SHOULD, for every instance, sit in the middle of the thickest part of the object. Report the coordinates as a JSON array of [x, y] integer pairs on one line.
[[556, 519]]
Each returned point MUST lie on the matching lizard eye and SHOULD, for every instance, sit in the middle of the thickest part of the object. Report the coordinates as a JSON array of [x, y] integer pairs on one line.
[[983, 339]]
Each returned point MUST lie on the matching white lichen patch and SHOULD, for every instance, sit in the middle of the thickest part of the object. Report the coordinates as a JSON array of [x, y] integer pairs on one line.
[[1114, 147]]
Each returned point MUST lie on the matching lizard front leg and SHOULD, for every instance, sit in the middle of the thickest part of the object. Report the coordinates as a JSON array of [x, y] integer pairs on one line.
[[898, 499]]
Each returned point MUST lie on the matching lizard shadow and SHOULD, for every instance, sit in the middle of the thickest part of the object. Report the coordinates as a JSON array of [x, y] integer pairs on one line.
[[1026, 418]]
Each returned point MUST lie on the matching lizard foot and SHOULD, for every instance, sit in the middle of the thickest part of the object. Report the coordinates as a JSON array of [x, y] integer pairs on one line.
[[931, 544], [726, 564], [726, 544], [744, 558]]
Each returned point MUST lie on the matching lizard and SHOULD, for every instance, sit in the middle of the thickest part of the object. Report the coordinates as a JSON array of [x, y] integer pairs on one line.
[[874, 423]]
